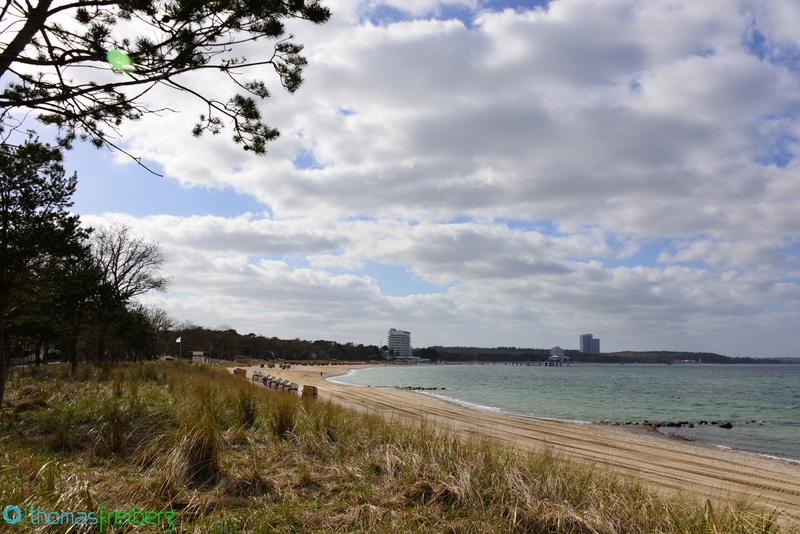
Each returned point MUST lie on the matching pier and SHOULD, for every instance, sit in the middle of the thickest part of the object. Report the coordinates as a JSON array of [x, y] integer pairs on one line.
[[547, 363]]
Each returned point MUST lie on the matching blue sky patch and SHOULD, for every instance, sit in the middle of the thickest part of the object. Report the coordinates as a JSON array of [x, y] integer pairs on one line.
[[454, 12], [384, 15], [501, 5], [755, 43], [104, 186], [780, 153], [793, 250], [778, 144], [784, 54], [294, 262], [461, 219], [543, 227], [306, 160], [647, 255], [397, 280], [359, 218]]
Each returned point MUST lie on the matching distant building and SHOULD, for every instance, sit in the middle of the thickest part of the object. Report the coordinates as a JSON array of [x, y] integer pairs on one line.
[[589, 344], [400, 342], [557, 355], [200, 357]]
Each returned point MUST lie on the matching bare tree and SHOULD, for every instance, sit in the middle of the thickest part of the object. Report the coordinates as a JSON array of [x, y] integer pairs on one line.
[[137, 333], [130, 263], [159, 320], [130, 266], [161, 323]]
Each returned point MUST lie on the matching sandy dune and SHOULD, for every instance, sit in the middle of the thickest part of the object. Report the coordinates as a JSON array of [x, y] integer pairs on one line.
[[665, 463]]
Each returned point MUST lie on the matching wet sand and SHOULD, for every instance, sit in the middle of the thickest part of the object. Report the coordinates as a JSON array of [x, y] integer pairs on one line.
[[664, 463]]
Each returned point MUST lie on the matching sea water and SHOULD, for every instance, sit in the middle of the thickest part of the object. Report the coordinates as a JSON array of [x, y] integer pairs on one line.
[[761, 401]]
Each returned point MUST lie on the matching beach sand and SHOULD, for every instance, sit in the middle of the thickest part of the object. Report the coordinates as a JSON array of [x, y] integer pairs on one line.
[[664, 463]]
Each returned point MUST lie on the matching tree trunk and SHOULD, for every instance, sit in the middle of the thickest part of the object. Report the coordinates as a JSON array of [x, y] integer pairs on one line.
[[2, 358], [73, 350], [101, 344]]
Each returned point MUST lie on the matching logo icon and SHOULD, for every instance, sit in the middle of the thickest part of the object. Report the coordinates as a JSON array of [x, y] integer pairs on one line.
[[12, 514]]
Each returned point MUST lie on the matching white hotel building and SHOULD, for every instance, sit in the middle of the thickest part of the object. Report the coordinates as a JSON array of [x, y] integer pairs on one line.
[[400, 343]]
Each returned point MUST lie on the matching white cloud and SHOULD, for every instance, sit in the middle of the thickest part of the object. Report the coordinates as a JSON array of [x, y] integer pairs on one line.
[[753, 253], [623, 123], [506, 286], [779, 19]]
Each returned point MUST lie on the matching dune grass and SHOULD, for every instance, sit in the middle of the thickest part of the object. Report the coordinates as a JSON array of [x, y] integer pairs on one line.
[[228, 456]]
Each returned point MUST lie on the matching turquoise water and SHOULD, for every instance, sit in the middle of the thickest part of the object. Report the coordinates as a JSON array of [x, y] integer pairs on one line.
[[761, 401]]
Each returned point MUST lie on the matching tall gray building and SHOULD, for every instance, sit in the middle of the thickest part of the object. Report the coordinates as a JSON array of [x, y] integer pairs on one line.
[[400, 342], [589, 344]]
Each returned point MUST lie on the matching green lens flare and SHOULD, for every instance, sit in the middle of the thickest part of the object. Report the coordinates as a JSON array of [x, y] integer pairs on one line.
[[120, 60]]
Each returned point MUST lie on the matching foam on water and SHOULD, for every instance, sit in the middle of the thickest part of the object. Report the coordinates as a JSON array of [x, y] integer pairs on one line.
[[338, 379], [780, 458], [465, 404]]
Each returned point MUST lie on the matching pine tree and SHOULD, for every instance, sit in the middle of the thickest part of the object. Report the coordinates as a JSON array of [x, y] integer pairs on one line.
[[83, 68], [35, 226]]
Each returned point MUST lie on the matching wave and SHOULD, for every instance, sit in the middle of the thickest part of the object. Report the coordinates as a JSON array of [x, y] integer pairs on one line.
[[350, 372], [778, 458], [465, 404], [495, 409]]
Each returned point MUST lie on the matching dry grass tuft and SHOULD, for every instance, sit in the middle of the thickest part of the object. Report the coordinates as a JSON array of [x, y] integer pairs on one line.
[[195, 460], [110, 432], [283, 417], [118, 382], [246, 406]]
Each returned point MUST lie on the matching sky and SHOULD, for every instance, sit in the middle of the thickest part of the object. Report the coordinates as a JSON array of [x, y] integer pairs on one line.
[[490, 174]]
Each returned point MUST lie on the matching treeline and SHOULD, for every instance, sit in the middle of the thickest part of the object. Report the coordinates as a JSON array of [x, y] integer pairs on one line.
[[665, 357], [225, 343], [67, 291], [513, 354], [83, 307], [499, 354]]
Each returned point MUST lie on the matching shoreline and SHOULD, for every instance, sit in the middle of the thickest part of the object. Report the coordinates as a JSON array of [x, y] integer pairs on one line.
[[669, 464], [639, 430], [635, 429]]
